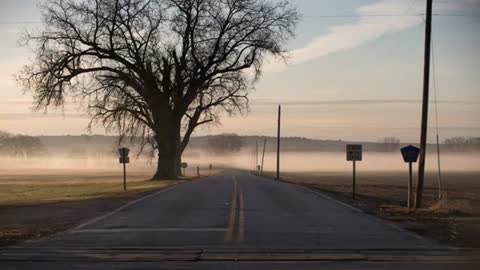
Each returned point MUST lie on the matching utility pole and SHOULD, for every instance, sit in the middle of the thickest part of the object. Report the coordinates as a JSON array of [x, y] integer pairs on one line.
[[278, 141], [426, 84], [256, 156], [263, 154], [439, 168]]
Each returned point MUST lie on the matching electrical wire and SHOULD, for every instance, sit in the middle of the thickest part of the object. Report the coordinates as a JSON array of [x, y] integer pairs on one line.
[[315, 17], [434, 80]]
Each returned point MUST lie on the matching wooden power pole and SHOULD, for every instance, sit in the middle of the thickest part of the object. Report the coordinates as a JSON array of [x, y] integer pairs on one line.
[[278, 141], [263, 155], [426, 84], [256, 156]]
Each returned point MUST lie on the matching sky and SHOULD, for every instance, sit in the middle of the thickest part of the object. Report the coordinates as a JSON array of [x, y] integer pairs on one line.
[[354, 73]]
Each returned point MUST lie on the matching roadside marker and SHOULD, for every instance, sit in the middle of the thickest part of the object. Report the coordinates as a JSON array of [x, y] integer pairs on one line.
[[410, 155], [354, 153], [124, 159], [184, 165]]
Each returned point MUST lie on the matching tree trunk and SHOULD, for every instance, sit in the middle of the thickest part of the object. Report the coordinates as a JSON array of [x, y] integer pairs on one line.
[[169, 153]]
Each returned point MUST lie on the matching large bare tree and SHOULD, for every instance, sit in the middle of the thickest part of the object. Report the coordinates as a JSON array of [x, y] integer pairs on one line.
[[155, 69]]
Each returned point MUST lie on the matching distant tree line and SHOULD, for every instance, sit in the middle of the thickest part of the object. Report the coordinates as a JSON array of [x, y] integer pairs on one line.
[[463, 143], [390, 144], [224, 144], [21, 146]]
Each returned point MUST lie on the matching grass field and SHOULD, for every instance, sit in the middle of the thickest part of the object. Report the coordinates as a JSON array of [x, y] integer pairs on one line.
[[33, 186], [14, 194], [454, 220]]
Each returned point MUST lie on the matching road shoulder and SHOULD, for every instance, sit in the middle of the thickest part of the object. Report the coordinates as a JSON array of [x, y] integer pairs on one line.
[[31, 221]]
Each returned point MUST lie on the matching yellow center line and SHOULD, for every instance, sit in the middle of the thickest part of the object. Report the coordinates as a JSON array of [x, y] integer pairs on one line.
[[241, 220], [236, 227], [233, 209]]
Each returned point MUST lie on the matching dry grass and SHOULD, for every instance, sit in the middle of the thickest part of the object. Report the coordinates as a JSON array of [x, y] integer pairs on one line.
[[36, 194], [35, 186]]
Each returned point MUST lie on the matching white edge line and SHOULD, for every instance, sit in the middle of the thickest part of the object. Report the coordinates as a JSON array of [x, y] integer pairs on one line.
[[357, 210], [377, 219], [97, 219]]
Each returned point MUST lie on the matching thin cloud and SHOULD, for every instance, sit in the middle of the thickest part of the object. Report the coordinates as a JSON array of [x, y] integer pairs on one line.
[[356, 102], [348, 36]]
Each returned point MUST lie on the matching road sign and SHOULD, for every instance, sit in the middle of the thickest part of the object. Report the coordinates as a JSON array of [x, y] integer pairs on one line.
[[354, 152], [124, 159], [124, 155], [410, 153], [184, 165]]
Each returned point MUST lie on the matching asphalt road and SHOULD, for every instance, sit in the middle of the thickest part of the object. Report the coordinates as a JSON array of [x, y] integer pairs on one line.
[[235, 220]]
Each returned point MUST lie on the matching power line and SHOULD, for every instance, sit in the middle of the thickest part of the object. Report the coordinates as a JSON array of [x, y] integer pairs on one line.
[[434, 77], [313, 17]]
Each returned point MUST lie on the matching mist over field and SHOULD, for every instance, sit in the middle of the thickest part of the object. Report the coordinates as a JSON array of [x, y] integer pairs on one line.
[[336, 161], [75, 159], [290, 161]]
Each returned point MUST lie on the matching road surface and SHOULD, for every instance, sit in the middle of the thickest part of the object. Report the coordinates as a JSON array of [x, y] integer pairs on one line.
[[236, 220]]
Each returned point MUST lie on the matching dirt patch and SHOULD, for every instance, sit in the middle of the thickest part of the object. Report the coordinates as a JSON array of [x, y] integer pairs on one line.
[[454, 220]]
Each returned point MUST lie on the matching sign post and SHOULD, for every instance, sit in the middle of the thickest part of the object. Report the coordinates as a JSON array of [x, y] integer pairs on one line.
[[263, 155], [278, 140], [354, 153], [184, 166], [124, 159], [410, 155]]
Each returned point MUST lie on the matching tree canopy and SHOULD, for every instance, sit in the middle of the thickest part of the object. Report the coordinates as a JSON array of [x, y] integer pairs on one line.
[[155, 69]]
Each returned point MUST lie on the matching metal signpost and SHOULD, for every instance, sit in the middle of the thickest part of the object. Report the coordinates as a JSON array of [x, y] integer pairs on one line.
[[278, 141], [410, 155], [354, 153], [184, 166], [124, 159]]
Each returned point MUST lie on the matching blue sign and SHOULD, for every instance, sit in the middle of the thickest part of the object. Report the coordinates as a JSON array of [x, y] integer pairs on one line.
[[410, 153]]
